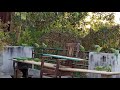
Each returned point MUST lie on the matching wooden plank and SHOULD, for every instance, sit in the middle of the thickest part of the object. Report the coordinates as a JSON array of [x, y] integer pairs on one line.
[[49, 65], [48, 70], [64, 57], [37, 63], [89, 71], [106, 76]]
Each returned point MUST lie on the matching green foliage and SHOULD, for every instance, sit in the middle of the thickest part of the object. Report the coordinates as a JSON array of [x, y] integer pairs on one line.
[[3, 35], [36, 24], [105, 37], [57, 28]]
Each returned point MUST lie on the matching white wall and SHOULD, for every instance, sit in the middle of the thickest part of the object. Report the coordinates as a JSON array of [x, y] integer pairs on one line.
[[10, 52], [96, 59]]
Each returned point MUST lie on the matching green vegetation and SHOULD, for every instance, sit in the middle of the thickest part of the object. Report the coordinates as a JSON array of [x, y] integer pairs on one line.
[[54, 29], [93, 30]]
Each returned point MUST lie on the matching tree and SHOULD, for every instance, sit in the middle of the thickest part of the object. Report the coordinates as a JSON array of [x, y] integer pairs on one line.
[[103, 31], [29, 27], [35, 24]]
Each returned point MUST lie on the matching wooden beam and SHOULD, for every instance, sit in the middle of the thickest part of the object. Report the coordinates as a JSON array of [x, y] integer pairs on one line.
[[63, 68]]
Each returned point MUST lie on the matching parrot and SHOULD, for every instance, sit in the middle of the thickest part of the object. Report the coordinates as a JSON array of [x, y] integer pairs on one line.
[[108, 68], [99, 68], [82, 48], [116, 52], [98, 48], [24, 44], [44, 45], [36, 45]]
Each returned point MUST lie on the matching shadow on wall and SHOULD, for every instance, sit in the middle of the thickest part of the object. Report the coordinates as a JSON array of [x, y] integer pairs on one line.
[[10, 52]]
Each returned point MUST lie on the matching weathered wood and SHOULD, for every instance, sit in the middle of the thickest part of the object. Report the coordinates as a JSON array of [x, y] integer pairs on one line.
[[89, 71], [49, 71], [41, 67], [64, 57], [105, 76], [71, 69]]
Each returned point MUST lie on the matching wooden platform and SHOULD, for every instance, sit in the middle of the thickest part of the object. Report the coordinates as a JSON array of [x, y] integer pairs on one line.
[[62, 68]]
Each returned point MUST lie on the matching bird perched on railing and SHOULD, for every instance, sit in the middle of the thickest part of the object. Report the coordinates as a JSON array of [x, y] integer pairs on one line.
[[98, 48], [115, 51], [24, 44]]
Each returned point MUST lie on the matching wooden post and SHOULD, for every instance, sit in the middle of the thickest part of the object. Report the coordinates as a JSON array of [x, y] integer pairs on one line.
[[41, 67], [57, 68], [106, 76], [16, 71]]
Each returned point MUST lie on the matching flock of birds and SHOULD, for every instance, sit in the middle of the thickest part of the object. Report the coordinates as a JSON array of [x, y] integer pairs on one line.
[[98, 49]]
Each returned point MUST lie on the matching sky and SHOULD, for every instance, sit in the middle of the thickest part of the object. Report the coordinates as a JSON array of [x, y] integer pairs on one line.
[[117, 17]]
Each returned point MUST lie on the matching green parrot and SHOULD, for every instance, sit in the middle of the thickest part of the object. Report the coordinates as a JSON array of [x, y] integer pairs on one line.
[[99, 68], [98, 48], [24, 44], [116, 52], [82, 48], [44, 45], [36, 45]]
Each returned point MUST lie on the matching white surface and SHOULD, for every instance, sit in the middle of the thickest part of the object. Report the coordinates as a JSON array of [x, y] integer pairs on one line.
[[10, 52], [96, 59]]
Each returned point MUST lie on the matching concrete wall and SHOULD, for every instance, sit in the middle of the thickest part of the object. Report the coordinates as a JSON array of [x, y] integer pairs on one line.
[[103, 59], [9, 52]]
